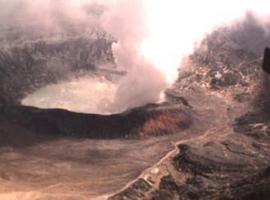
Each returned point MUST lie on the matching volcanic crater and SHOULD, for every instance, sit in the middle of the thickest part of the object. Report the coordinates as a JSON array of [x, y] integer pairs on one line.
[[208, 140]]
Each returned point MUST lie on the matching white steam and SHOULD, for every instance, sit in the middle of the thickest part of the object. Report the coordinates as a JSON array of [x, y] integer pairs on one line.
[[152, 36], [174, 27], [144, 82]]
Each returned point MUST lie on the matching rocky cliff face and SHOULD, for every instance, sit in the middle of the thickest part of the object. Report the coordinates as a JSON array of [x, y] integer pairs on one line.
[[217, 117], [27, 67], [223, 79], [144, 122], [46, 50]]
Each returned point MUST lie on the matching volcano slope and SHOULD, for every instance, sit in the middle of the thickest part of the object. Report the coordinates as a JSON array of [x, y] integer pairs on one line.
[[58, 154], [209, 141], [223, 80]]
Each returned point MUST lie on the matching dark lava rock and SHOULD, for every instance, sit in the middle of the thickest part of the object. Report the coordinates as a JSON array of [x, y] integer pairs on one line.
[[135, 191], [256, 123], [266, 60], [228, 58], [230, 169], [168, 189], [26, 68], [231, 160], [140, 122]]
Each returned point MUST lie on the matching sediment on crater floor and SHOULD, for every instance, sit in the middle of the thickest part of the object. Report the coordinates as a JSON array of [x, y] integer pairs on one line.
[[209, 140], [230, 160]]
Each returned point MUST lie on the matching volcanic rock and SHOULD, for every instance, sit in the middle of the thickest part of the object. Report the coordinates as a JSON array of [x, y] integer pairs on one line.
[[230, 160], [152, 120], [266, 61], [29, 66], [216, 116]]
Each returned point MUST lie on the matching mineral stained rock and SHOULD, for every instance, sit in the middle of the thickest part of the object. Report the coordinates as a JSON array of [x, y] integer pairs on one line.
[[148, 121], [230, 160], [217, 117]]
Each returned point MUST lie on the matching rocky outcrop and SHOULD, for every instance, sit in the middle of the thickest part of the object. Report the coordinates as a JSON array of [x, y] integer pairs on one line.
[[231, 159], [152, 120], [227, 162], [266, 60], [220, 103], [26, 68]]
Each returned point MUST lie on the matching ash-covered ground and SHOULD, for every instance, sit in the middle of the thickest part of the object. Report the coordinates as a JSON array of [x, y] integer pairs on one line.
[[209, 140], [59, 154], [230, 159]]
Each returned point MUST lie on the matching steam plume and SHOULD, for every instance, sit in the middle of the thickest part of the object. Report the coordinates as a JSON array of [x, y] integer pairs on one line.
[[144, 82], [152, 35]]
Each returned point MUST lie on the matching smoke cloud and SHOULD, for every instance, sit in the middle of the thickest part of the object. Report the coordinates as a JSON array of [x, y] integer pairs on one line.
[[143, 83], [152, 35]]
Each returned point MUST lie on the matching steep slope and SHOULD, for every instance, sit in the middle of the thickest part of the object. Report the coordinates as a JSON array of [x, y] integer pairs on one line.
[[223, 82], [31, 65]]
